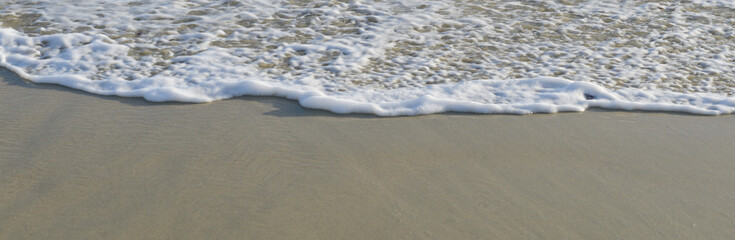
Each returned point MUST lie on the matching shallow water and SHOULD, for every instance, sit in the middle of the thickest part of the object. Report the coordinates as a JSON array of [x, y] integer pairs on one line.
[[385, 57]]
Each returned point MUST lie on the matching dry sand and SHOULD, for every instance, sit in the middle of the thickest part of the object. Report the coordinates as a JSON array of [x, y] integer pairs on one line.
[[79, 166]]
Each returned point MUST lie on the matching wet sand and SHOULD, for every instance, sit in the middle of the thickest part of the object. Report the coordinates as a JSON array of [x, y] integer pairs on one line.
[[80, 166]]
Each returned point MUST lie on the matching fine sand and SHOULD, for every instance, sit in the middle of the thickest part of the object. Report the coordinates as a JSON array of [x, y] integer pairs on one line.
[[80, 166]]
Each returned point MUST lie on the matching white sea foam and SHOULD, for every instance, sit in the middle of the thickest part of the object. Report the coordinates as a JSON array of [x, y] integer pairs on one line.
[[385, 57]]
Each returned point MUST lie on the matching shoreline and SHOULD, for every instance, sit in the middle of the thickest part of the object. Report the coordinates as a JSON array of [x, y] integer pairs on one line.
[[77, 165]]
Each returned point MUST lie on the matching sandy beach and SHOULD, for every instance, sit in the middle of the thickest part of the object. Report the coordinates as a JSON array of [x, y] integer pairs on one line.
[[80, 166]]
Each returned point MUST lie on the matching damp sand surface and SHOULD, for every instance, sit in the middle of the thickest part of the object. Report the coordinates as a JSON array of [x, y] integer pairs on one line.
[[80, 166]]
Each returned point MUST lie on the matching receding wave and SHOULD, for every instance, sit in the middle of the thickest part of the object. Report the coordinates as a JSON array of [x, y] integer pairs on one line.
[[385, 57]]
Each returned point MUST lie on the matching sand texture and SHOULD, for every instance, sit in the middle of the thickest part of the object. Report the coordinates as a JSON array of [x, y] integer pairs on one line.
[[79, 166]]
